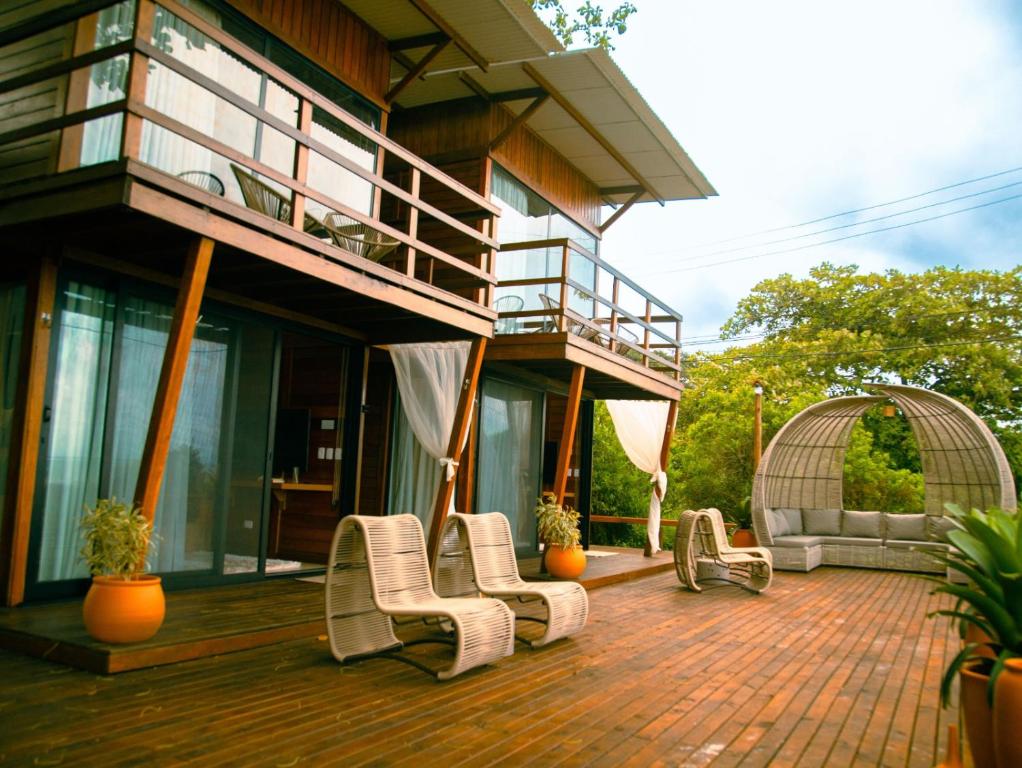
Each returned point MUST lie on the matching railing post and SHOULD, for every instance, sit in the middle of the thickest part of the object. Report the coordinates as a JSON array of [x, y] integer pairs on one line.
[[677, 349], [138, 73], [77, 95], [562, 321], [413, 221], [301, 165], [645, 340], [615, 294]]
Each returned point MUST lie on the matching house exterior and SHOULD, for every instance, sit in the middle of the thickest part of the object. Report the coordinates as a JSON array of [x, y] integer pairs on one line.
[[216, 216]]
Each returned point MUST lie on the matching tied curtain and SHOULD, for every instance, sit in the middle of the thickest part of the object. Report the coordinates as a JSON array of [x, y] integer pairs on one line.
[[429, 378], [640, 427]]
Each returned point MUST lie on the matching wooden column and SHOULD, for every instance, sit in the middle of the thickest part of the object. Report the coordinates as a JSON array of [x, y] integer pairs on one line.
[[300, 168], [172, 376], [665, 455], [467, 466], [26, 430], [413, 220], [459, 431], [578, 375], [138, 73]]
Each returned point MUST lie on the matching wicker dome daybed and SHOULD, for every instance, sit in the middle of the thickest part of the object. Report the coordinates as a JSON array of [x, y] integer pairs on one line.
[[797, 504]]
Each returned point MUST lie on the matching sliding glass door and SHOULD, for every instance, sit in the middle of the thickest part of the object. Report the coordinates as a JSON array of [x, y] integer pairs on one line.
[[12, 313]]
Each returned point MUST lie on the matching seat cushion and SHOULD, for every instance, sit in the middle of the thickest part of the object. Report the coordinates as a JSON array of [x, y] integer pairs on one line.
[[864, 525], [938, 526], [797, 541], [778, 523], [821, 522], [794, 518], [925, 546], [852, 541], [905, 527]]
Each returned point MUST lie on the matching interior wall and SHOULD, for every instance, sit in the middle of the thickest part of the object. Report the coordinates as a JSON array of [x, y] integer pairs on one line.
[[379, 402]]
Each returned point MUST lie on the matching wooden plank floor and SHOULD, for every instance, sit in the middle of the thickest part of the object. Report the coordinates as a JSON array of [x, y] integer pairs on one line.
[[836, 667]]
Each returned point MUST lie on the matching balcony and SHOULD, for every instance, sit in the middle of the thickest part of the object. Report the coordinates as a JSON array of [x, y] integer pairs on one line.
[[559, 304], [155, 108]]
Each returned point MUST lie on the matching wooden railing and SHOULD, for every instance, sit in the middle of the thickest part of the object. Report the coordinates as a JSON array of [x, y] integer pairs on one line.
[[413, 256], [583, 277]]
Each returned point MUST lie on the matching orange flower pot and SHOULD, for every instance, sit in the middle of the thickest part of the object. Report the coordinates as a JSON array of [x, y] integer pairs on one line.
[[124, 610], [978, 717], [743, 537], [565, 563], [1008, 714]]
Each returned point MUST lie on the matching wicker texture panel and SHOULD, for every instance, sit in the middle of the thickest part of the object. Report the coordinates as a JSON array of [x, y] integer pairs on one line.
[[797, 558], [477, 554]]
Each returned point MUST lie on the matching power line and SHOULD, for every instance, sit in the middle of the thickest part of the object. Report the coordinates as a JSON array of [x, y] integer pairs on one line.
[[861, 210], [838, 239]]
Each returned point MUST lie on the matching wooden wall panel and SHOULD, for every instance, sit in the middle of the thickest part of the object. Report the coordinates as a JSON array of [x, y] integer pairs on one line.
[[332, 36], [438, 131], [376, 434]]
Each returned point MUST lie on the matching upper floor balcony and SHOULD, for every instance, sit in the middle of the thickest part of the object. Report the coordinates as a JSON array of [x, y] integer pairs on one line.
[[168, 110], [559, 305]]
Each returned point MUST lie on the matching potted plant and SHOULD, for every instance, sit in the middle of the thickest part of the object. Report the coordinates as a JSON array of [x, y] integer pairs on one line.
[[987, 550], [558, 530], [124, 605], [742, 519]]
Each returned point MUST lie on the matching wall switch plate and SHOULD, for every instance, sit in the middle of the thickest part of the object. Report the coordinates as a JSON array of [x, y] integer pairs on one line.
[[248, 524], [328, 424], [321, 452]]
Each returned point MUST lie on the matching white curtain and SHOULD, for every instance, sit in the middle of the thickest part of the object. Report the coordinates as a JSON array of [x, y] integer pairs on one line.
[[640, 426], [429, 380]]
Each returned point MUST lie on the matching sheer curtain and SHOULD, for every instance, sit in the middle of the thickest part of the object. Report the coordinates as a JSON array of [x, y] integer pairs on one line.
[[640, 426], [414, 479], [429, 378]]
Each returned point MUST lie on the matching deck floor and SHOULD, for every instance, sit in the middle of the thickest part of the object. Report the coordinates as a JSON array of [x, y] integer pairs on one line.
[[836, 667]]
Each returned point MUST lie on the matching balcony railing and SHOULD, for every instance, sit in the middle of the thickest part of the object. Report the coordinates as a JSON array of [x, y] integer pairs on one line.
[[158, 86], [550, 286]]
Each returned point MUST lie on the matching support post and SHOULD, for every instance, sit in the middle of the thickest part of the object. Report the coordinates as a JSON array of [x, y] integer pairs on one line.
[[665, 455], [757, 426], [172, 376], [26, 430], [459, 431], [578, 375]]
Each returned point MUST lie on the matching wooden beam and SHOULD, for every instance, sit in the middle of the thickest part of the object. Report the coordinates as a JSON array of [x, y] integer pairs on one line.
[[520, 119], [621, 211], [625, 189], [459, 431], [440, 23], [589, 128], [467, 466], [416, 41], [578, 375], [665, 455], [473, 85], [517, 95], [172, 376], [26, 430], [417, 70]]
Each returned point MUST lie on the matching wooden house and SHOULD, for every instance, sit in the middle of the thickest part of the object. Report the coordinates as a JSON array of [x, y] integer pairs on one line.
[[217, 214]]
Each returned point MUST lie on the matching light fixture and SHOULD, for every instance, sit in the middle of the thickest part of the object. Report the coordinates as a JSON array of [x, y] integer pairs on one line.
[[757, 388]]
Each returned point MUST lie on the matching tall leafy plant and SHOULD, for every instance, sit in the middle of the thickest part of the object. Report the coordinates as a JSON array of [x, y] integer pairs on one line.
[[558, 525], [987, 549], [117, 539]]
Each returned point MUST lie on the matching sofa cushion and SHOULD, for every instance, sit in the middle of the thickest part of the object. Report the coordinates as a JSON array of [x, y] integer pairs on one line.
[[905, 527], [797, 541], [866, 525], [794, 518], [937, 527], [778, 523], [821, 522], [852, 541], [924, 546]]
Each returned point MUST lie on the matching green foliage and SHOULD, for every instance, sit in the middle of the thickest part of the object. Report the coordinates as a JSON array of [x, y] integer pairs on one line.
[[988, 552], [872, 479], [117, 538], [587, 19], [558, 526]]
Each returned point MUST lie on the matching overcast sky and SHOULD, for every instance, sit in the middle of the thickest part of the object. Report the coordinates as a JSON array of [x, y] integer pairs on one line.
[[799, 109]]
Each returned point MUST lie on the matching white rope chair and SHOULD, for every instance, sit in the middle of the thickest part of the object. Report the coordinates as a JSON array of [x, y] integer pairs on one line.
[[378, 570], [701, 548], [477, 554], [359, 238]]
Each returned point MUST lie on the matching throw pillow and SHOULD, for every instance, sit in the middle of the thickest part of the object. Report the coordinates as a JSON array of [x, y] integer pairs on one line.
[[938, 526], [778, 522], [794, 518], [821, 522], [906, 527], [861, 525]]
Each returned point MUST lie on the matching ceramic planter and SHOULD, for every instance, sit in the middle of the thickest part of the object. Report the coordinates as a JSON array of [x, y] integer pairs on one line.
[[1008, 715], [563, 563], [120, 610], [743, 537], [978, 717]]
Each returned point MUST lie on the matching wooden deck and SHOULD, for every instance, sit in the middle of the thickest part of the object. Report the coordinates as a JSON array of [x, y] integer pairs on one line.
[[207, 622], [836, 667]]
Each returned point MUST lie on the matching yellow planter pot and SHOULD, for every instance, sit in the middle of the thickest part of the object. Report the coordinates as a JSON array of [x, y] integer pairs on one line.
[[124, 611], [565, 563]]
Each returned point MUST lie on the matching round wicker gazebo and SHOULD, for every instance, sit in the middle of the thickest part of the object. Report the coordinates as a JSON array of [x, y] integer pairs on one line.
[[962, 462]]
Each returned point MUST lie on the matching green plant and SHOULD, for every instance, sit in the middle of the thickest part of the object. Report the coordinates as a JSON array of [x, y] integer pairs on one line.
[[117, 539], [558, 525], [988, 551], [742, 516]]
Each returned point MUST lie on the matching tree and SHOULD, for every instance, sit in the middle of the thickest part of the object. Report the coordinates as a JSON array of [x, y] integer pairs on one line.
[[587, 19]]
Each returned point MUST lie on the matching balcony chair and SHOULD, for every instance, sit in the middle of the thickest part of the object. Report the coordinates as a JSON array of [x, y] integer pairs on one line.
[[378, 570], [702, 553], [477, 554], [358, 238], [208, 181], [263, 198], [550, 325], [509, 303]]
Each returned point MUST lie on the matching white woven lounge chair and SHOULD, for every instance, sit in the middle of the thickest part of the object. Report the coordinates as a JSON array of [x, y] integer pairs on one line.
[[477, 554], [701, 551], [378, 569]]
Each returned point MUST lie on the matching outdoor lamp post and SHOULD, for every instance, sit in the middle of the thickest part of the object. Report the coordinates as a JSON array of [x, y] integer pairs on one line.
[[757, 426]]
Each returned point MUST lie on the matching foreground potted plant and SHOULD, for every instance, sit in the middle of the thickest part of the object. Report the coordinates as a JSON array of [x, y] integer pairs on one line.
[[987, 549], [558, 530], [123, 605], [742, 519]]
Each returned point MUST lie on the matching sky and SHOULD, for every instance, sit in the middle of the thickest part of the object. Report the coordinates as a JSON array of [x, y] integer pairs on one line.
[[800, 109]]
